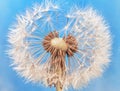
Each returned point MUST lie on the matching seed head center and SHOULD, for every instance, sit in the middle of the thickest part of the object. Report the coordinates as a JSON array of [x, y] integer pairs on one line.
[[59, 43]]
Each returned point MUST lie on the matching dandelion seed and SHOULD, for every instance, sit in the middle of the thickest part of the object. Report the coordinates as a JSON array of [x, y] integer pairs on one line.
[[44, 54]]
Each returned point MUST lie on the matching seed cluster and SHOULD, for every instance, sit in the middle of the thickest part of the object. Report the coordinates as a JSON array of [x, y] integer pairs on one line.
[[72, 45], [57, 63]]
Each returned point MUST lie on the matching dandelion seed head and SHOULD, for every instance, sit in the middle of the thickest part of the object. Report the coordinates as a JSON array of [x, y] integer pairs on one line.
[[51, 47]]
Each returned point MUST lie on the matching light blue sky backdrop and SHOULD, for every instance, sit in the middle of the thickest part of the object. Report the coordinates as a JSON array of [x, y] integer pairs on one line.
[[10, 81]]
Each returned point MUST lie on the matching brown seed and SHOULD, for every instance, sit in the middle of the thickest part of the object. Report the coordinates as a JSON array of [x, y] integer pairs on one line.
[[59, 48]]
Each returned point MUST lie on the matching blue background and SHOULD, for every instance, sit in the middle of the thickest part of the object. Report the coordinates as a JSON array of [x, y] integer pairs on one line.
[[10, 81]]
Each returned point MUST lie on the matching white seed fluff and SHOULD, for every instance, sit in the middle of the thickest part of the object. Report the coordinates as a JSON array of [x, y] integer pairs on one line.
[[31, 61]]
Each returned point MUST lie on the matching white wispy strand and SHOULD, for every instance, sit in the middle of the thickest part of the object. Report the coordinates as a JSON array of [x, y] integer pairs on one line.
[[88, 27]]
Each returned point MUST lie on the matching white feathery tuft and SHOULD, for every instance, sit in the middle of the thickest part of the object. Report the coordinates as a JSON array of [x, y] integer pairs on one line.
[[88, 27]]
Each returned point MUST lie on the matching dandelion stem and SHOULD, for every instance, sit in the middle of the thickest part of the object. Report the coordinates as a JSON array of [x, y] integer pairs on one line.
[[58, 86]]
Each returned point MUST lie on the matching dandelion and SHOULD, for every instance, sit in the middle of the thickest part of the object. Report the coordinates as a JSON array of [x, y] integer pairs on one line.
[[60, 48]]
